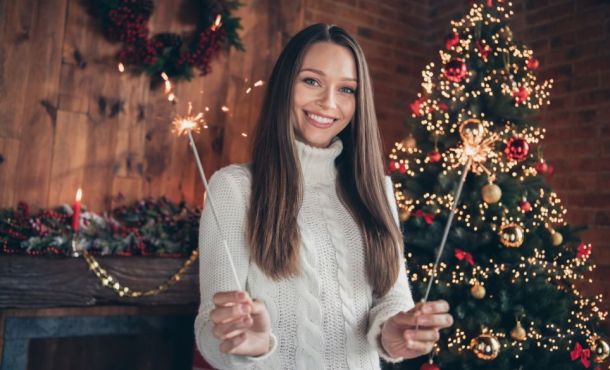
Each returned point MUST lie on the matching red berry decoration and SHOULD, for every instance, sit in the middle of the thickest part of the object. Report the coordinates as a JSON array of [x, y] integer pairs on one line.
[[455, 70], [525, 206], [517, 149], [533, 63], [434, 156], [429, 366], [402, 168], [451, 40]]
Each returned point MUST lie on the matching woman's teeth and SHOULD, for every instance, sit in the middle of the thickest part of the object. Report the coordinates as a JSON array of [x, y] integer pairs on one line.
[[320, 119]]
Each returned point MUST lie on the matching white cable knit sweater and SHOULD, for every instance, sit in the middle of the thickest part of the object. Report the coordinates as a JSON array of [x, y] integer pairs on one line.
[[326, 318]]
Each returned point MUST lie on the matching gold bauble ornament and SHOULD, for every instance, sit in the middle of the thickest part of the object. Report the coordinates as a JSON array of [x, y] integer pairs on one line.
[[511, 235], [472, 131], [491, 193], [485, 346], [600, 350], [409, 142], [478, 291], [404, 214], [518, 333], [556, 238]]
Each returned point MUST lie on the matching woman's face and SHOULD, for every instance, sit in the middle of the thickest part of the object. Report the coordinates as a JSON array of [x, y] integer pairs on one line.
[[324, 94]]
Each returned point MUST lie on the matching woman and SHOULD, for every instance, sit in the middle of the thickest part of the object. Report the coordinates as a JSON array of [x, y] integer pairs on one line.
[[312, 228]]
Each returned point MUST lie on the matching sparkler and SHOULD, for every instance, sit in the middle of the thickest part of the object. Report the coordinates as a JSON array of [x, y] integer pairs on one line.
[[472, 155], [185, 125]]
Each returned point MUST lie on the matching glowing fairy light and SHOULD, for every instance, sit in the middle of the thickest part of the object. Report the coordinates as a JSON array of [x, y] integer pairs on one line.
[[121, 67], [224, 108], [217, 23], [259, 83], [167, 83]]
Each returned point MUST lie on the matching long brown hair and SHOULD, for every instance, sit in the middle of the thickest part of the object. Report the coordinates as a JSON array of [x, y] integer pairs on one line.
[[277, 185]]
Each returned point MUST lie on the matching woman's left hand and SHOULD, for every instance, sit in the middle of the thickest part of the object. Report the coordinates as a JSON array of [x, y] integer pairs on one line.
[[399, 337]]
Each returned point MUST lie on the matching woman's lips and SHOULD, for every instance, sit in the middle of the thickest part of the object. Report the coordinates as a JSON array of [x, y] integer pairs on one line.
[[319, 120]]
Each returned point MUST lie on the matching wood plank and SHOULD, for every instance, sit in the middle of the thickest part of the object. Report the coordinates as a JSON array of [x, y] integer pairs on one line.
[[18, 20], [69, 159], [33, 282], [40, 102], [9, 151]]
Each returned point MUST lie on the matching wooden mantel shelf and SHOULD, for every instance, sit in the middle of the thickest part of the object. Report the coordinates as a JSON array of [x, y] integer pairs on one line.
[[36, 282]]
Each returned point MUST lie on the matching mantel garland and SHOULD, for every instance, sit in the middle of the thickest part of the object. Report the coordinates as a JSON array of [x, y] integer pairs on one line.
[[150, 227], [126, 21]]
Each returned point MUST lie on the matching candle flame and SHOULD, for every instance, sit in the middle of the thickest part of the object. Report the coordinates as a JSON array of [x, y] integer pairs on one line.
[[79, 194], [217, 23]]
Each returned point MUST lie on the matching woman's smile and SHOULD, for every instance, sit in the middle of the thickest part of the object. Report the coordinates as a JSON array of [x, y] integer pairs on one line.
[[319, 120]]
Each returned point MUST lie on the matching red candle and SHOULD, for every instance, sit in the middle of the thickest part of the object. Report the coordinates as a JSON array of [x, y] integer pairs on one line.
[[76, 214]]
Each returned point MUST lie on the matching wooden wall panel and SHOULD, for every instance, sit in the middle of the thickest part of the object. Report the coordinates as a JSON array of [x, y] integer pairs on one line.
[[68, 118], [40, 27]]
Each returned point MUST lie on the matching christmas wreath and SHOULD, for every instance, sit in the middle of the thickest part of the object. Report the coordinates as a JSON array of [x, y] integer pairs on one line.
[[177, 55]]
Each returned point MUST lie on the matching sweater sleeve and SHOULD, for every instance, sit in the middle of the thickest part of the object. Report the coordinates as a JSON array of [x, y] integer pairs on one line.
[[215, 273], [397, 299]]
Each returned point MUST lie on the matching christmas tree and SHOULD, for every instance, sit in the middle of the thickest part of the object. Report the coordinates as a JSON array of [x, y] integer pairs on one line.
[[512, 268]]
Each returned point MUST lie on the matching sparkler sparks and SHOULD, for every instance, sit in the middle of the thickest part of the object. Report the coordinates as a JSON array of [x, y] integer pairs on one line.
[[182, 125]]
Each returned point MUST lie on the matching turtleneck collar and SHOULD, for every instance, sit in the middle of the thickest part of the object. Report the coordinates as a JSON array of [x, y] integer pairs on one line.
[[318, 164]]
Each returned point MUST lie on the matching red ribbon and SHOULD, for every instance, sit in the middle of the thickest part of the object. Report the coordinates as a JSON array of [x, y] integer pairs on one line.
[[583, 354], [428, 217], [463, 255]]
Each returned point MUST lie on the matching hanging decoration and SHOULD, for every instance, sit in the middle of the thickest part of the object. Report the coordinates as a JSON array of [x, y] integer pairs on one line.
[[127, 22]]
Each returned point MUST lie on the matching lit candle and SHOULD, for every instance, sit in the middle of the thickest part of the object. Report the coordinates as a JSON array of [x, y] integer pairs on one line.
[[76, 214]]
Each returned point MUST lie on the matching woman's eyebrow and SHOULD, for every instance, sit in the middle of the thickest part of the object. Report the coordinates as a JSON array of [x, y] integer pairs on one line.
[[323, 74]]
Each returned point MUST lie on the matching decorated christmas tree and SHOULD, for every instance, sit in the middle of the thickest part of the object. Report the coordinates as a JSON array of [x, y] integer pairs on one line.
[[512, 269]]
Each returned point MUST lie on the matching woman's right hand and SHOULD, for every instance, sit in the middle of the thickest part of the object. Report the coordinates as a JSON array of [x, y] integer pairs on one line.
[[241, 324]]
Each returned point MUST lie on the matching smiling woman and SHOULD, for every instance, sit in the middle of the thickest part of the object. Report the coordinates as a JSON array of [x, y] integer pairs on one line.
[[312, 226]]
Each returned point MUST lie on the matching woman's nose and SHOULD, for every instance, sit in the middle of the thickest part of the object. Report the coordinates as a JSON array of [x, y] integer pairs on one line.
[[328, 100]]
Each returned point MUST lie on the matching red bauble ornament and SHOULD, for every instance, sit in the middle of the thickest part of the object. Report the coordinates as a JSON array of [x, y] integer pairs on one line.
[[434, 156], [517, 148], [541, 166], [443, 107], [521, 95], [451, 40], [455, 70], [393, 166], [584, 250], [525, 206], [429, 366], [402, 168], [533, 63]]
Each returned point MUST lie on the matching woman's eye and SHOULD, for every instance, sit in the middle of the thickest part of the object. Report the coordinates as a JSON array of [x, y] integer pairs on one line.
[[310, 81], [348, 90]]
